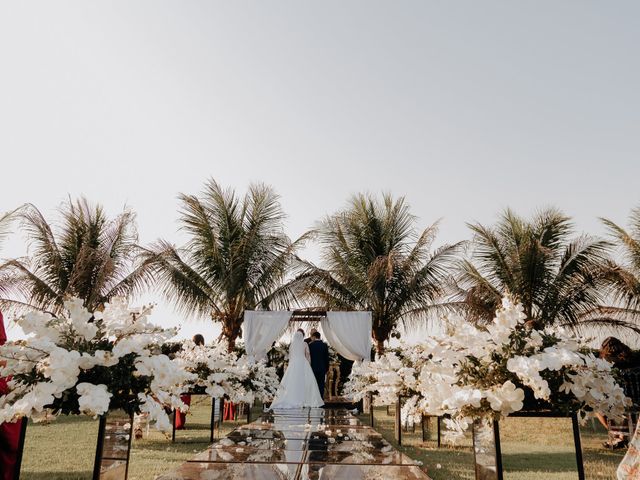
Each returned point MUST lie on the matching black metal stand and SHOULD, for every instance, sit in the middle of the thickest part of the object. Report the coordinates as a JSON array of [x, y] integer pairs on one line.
[[23, 433], [482, 474], [425, 428], [111, 447], [496, 439], [100, 448], [577, 442], [371, 412], [212, 422], [97, 463], [173, 425]]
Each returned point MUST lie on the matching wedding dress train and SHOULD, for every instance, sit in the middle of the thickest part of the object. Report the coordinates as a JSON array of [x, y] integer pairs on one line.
[[298, 387]]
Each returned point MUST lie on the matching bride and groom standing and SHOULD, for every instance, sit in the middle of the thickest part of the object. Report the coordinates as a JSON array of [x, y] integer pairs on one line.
[[303, 382]]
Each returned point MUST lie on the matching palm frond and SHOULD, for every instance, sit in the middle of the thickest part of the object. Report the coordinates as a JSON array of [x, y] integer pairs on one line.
[[6, 222]]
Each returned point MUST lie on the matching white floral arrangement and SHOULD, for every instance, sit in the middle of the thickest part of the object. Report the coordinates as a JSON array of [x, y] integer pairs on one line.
[[393, 374], [224, 374], [256, 381], [491, 371], [212, 367], [90, 363], [476, 372]]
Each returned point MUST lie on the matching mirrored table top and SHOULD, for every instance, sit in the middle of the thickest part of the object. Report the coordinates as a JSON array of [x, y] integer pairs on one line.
[[299, 445], [300, 471]]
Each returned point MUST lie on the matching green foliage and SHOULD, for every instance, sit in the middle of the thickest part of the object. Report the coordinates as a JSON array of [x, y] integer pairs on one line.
[[85, 255], [376, 260], [624, 278], [237, 256], [558, 279]]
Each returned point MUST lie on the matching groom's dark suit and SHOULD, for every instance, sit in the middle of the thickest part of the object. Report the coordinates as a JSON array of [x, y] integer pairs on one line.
[[319, 362]]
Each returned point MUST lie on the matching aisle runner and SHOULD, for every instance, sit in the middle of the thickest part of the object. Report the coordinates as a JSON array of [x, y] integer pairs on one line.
[[304, 444]]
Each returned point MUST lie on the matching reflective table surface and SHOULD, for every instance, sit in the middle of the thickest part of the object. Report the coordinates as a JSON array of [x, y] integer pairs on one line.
[[301, 444]]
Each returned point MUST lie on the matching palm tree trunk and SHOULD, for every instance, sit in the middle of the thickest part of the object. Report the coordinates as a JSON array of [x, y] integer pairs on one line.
[[231, 344], [231, 332], [380, 335]]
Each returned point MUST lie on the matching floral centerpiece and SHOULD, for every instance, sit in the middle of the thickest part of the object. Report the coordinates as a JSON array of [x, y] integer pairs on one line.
[[256, 381], [211, 367], [490, 371], [393, 374], [90, 363]]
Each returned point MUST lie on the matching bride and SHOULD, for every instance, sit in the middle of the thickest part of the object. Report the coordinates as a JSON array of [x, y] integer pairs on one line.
[[298, 387]]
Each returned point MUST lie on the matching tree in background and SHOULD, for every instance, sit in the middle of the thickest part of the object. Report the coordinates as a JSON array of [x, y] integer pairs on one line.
[[625, 277], [374, 259], [86, 255], [558, 279], [237, 256], [6, 220]]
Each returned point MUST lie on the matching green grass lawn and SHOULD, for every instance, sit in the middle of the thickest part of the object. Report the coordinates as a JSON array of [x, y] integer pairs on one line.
[[65, 449], [533, 449]]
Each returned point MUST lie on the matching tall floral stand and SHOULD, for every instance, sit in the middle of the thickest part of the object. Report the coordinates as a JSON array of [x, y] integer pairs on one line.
[[212, 421], [112, 450], [398, 423], [367, 405], [424, 427], [114, 446], [488, 452]]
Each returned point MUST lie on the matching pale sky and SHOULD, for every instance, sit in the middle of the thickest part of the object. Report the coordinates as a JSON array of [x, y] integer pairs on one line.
[[465, 107]]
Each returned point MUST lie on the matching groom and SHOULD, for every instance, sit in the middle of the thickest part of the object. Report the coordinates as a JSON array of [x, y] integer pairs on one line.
[[319, 360]]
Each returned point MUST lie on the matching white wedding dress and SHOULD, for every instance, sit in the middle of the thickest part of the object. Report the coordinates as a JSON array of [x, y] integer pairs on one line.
[[298, 387]]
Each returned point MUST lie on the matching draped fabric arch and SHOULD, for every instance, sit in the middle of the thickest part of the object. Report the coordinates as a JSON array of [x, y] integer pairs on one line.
[[260, 329], [349, 333]]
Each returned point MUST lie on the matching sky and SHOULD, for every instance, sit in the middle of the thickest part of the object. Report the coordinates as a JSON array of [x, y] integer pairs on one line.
[[466, 108]]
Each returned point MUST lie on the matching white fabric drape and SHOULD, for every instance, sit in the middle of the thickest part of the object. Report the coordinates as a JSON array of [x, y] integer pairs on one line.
[[349, 333], [260, 329]]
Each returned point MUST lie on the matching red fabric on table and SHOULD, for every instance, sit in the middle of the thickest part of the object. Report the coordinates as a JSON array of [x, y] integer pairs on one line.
[[9, 432], [181, 417]]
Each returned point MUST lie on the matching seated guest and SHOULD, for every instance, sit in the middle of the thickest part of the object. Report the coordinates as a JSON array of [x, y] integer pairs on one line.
[[622, 358], [616, 352]]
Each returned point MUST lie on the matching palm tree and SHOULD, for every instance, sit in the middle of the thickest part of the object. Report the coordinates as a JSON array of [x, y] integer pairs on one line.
[[237, 256], [5, 224], [6, 220], [557, 279], [88, 256], [375, 260], [625, 278]]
